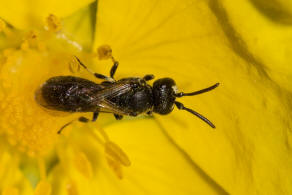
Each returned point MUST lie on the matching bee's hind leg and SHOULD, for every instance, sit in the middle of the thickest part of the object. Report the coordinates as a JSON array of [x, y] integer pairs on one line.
[[114, 68], [95, 116], [81, 119], [97, 75], [118, 117]]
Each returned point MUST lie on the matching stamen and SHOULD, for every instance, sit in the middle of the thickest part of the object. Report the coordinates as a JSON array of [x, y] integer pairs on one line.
[[103, 134], [104, 52], [71, 188], [116, 167], [24, 45], [4, 28], [53, 23], [10, 191], [32, 41], [2, 25], [74, 65], [42, 168], [83, 165], [43, 188], [116, 154]]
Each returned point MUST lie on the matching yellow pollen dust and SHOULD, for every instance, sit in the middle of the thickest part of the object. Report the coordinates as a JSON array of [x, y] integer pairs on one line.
[[32, 42], [104, 52], [27, 125], [53, 23]]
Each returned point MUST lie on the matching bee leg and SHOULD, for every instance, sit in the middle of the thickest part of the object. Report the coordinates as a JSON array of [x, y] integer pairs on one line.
[[97, 75], [95, 115], [63, 127], [101, 76], [148, 77], [80, 119], [118, 117], [83, 119], [149, 113], [114, 68]]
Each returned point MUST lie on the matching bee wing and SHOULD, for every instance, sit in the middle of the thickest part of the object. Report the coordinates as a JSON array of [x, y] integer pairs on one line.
[[109, 107], [115, 90]]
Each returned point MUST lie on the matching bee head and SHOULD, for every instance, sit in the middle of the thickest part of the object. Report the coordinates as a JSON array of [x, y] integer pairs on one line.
[[165, 94], [164, 91]]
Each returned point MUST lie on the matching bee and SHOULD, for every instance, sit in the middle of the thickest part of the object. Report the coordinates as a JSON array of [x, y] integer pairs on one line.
[[130, 96]]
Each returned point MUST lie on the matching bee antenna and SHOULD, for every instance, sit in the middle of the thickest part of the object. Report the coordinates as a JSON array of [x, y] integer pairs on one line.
[[181, 94], [180, 106]]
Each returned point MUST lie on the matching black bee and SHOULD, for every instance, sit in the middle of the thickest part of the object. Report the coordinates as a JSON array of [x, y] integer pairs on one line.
[[128, 96]]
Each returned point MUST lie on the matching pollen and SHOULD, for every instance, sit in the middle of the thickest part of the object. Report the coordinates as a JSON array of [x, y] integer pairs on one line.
[[104, 52], [26, 125], [29, 127], [53, 23]]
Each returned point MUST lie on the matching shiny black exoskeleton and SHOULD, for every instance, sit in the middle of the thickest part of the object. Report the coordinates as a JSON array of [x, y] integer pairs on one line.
[[127, 96]]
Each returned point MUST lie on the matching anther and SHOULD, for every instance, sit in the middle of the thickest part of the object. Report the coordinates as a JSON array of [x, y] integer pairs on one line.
[[83, 165], [74, 65], [2, 26], [53, 23], [5, 28], [116, 167], [43, 188], [104, 52], [116, 153]]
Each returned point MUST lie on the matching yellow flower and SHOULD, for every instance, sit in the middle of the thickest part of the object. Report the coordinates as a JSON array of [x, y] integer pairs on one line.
[[198, 43]]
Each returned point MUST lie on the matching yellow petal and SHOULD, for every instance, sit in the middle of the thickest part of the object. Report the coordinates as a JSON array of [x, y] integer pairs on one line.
[[195, 43], [270, 44], [80, 26], [158, 167], [279, 11], [32, 13]]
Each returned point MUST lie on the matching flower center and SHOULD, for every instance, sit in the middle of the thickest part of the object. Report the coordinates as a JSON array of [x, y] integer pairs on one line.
[[24, 67]]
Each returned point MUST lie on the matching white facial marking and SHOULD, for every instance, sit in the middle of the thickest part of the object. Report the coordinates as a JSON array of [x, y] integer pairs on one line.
[[174, 87]]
